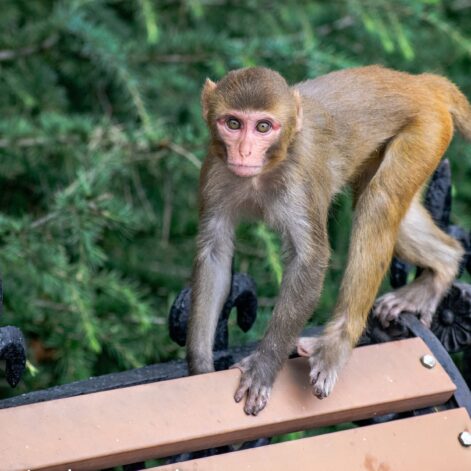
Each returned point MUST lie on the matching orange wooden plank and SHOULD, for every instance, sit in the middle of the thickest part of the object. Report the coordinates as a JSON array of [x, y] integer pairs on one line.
[[428, 443], [161, 419]]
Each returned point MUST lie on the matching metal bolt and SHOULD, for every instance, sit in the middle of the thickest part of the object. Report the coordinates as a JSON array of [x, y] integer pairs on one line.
[[428, 361], [465, 438]]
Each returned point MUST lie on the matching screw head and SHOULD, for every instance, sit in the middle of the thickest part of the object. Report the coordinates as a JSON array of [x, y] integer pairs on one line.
[[465, 438], [428, 361]]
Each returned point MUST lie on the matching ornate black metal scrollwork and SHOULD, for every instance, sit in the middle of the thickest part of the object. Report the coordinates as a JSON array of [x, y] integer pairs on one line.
[[376, 333], [12, 350], [452, 321], [242, 296], [438, 195]]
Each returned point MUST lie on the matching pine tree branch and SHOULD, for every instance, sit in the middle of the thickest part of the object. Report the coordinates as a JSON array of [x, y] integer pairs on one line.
[[180, 58], [38, 141], [141, 194], [178, 149], [43, 220], [168, 211], [59, 307], [337, 25], [461, 5], [11, 54]]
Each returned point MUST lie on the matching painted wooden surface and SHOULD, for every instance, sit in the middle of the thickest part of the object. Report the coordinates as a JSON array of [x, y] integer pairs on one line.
[[160, 419], [429, 442]]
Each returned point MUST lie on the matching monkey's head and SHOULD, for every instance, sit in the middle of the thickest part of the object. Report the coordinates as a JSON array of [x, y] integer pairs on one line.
[[253, 116]]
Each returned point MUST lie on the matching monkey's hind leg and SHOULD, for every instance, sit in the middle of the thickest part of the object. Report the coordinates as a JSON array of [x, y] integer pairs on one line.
[[409, 159], [421, 243]]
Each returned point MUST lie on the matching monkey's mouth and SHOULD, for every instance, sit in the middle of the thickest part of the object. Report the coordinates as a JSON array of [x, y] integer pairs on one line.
[[245, 170]]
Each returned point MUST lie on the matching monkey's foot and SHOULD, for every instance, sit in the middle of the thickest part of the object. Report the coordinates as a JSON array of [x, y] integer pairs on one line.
[[326, 360], [256, 382], [411, 298]]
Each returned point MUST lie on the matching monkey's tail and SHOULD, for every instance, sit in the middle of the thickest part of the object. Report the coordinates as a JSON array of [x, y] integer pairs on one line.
[[458, 104], [460, 109]]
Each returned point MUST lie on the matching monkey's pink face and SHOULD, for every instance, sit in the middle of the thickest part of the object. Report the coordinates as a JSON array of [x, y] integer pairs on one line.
[[247, 135]]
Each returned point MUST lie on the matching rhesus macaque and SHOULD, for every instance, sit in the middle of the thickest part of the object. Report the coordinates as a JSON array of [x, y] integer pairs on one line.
[[281, 154]]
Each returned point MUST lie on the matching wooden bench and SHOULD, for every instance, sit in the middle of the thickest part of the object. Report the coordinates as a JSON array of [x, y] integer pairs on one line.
[[149, 421]]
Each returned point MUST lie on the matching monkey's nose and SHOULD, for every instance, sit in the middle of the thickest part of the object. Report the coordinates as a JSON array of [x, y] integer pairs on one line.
[[245, 149], [246, 154]]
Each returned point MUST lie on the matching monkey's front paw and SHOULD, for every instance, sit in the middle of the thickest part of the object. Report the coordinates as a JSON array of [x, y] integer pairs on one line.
[[255, 383], [326, 361]]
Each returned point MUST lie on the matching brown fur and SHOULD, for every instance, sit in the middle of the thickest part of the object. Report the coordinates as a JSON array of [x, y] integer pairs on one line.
[[381, 131]]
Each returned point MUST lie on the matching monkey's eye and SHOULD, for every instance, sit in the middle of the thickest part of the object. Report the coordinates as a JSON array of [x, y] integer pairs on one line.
[[263, 126], [233, 123]]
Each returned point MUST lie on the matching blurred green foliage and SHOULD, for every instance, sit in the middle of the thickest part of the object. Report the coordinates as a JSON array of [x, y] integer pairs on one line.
[[101, 142]]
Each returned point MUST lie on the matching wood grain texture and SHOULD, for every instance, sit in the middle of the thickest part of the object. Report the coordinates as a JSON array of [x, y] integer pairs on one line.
[[160, 419]]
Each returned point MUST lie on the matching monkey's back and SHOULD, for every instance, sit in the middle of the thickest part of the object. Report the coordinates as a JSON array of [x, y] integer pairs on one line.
[[375, 101]]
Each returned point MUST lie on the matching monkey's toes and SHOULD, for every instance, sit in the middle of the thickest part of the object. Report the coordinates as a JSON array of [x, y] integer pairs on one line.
[[388, 308], [326, 362], [322, 381], [426, 318]]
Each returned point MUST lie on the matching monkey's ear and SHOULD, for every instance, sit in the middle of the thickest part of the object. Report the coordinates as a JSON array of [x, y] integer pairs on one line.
[[208, 89], [299, 110]]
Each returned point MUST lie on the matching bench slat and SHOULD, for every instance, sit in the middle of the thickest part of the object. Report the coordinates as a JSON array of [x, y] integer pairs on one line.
[[161, 419], [428, 442]]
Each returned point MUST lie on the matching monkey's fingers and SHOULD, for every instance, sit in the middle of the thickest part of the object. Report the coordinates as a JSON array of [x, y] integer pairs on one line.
[[245, 380], [241, 390], [257, 394], [257, 399]]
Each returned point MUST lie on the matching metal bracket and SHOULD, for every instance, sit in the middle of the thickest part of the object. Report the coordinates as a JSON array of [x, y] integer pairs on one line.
[[463, 394]]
